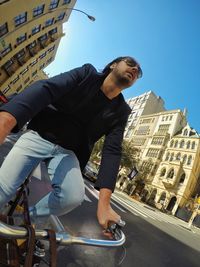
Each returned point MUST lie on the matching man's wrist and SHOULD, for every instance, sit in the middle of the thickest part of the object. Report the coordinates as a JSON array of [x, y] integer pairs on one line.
[[105, 196]]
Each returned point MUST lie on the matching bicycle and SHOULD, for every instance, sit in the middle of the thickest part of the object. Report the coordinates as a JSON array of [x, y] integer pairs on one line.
[[26, 254]]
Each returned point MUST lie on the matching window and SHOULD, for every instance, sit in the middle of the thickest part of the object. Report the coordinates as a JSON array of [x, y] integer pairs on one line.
[[193, 145], [49, 60], [185, 132], [51, 48], [43, 55], [188, 145], [176, 144], [182, 179], [61, 16], [171, 157], [162, 173], [24, 71], [189, 160], [53, 4], [6, 89], [38, 10], [65, 2], [33, 62], [19, 88], [8, 64], [36, 29], [3, 29], [43, 37], [8, 67], [178, 156], [6, 50], [53, 31], [153, 153], [21, 39], [170, 174], [184, 159], [172, 143], [20, 54], [163, 129], [27, 80], [143, 130], [49, 22], [167, 156], [182, 143], [42, 66], [33, 44], [20, 19], [34, 73], [15, 80]]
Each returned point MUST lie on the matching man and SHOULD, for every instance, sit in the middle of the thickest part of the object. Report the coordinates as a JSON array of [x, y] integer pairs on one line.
[[67, 114]]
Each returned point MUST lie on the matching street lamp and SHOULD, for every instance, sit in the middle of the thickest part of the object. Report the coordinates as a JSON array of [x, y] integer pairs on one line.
[[89, 16]]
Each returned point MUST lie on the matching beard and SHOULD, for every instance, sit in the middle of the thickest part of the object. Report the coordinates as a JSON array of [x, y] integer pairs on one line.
[[122, 80]]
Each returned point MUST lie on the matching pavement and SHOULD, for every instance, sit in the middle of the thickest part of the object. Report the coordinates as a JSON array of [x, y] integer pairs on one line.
[[178, 221]]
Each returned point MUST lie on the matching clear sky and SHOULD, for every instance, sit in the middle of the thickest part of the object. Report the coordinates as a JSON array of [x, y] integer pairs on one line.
[[163, 35]]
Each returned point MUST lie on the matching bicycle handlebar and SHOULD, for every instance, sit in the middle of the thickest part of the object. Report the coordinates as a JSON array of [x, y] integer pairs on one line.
[[62, 238]]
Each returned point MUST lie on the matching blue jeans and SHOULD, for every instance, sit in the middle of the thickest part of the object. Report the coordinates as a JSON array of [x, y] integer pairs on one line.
[[63, 168]]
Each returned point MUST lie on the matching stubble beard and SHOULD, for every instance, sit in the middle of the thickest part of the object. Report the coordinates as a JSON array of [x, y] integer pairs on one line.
[[122, 80]]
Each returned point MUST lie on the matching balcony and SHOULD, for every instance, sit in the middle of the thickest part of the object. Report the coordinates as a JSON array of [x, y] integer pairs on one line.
[[168, 182]]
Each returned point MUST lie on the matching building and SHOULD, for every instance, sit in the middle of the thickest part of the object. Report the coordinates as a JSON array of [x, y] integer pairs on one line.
[[178, 175], [170, 150], [30, 32], [144, 104]]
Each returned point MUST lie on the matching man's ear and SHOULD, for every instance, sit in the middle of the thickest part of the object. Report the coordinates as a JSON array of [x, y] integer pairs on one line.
[[113, 66]]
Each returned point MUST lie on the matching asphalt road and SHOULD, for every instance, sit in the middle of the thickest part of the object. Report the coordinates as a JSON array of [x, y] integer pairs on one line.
[[150, 241]]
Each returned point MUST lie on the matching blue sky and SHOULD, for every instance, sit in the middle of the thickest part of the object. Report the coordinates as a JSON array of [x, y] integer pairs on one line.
[[163, 35]]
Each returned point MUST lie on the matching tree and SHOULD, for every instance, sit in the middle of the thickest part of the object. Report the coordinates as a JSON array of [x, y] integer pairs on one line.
[[129, 157], [97, 150], [129, 154]]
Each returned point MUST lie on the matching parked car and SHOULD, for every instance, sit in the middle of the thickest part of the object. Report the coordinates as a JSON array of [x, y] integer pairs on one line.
[[90, 172]]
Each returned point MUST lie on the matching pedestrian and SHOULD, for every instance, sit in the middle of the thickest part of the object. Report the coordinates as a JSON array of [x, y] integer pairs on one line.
[[67, 114]]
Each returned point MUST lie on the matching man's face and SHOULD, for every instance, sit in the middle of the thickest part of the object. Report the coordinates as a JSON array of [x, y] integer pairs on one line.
[[125, 73]]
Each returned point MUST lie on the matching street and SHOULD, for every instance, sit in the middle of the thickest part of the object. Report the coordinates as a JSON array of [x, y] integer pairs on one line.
[[152, 238]]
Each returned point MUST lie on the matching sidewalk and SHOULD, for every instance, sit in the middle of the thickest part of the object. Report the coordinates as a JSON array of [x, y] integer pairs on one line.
[[178, 221]]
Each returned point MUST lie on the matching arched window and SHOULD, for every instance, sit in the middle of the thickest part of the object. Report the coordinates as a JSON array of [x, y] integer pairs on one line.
[[171, 143], [189, 160], [182, 143], [182, 179], [162, 198], [167, 156], [176, 144], [170, 174], [178, 156], [185, 132], [193, 145], [162, 173], [188, 144], [184, 159], [171, 157]]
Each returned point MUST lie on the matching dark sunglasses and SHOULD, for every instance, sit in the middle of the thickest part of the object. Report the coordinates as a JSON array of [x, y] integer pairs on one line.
[[133, 64]]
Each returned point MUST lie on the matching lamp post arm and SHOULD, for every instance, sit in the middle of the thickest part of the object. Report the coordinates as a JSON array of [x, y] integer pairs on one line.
[[89, 16]]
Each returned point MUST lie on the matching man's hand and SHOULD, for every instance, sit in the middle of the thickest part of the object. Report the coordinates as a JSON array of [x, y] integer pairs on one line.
[[105, 213], [7, 123]]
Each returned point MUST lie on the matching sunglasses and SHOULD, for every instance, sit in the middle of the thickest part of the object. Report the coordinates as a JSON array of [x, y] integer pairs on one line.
[[134, 65]]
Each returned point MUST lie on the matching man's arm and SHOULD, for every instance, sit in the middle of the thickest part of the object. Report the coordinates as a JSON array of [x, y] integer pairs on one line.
[[7, 123], [105, 213]]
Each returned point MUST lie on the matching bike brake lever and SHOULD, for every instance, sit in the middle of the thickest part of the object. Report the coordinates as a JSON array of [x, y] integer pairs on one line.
[[115, 229]]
